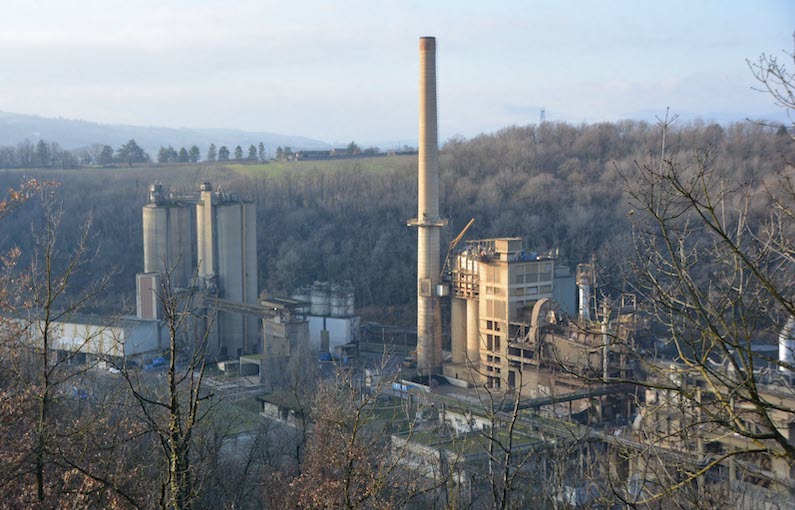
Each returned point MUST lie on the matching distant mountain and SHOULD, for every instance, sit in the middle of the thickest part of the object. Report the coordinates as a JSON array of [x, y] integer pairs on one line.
[[72, 134]]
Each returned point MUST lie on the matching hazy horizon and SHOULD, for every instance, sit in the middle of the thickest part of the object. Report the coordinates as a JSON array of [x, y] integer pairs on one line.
[[349, 71]]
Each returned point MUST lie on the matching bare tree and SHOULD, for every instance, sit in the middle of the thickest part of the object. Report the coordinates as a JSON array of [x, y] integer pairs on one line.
[[175, 412], [348, 460], [776, 80], [58, 449], [715, 275]]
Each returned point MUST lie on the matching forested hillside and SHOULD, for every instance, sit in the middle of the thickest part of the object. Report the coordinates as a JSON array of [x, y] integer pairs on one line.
[[557, 186]]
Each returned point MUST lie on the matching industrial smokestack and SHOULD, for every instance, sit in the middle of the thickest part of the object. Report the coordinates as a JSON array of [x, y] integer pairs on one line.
[[429, 341]]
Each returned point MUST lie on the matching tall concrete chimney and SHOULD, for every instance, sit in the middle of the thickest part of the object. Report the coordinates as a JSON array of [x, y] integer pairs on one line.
[[428, 223]]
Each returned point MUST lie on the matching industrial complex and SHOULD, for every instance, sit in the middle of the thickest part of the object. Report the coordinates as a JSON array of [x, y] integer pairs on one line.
[[531, 345]]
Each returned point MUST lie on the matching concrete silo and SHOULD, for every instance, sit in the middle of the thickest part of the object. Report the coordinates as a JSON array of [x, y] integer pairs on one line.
[[227, 263], [168, 237]]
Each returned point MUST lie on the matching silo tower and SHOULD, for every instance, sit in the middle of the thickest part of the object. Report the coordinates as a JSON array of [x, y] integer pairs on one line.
[[168, 237], [227, 261]]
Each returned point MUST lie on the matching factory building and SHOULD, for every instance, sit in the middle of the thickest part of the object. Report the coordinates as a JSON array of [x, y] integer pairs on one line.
[[493, 282], [285, 336], [82, 338], [330, 313]]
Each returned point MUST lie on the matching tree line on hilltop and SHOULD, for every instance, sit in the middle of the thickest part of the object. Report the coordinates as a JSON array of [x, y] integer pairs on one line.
[[557, 186], [44, 154]]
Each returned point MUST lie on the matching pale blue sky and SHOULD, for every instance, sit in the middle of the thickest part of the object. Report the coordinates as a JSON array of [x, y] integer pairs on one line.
[[347, 70]]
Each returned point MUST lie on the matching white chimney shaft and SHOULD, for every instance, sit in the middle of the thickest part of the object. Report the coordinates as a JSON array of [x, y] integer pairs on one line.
[[429, 342]]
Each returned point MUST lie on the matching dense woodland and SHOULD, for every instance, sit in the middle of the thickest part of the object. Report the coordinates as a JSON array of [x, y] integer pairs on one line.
[[73, 436], [558, 186]]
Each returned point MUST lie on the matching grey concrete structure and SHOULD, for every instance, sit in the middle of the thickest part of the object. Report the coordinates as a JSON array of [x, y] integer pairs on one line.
[[148, 305], [473, 331], [227, 264], [458, 329], [428, 222], [168, 237]]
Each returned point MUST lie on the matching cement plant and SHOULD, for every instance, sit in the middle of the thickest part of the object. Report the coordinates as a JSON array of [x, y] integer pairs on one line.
[[524, 382]]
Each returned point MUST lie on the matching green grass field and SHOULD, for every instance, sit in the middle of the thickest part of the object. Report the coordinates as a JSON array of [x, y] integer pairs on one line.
[[367, 165], [196, 171]]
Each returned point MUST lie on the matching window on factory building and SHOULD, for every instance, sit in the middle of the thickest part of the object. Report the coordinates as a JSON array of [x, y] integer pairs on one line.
[[489, 342], [496, 342], [489, 325], [496, 326], [546, 288]]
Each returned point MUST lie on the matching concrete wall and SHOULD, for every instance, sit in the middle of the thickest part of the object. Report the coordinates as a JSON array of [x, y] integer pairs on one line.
[[342, 330], [131, 338]]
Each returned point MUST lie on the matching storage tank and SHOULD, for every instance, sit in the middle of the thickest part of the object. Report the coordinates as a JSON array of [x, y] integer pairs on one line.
[[227, 249], [168, 237], [786, 347], [237, 269]]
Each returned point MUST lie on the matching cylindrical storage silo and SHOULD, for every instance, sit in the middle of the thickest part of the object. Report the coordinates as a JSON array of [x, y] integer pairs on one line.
[[458, 329], [155, 223], [168, 241], [180, 250], [473, 331]]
